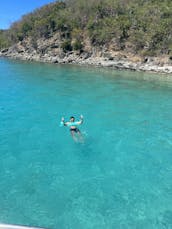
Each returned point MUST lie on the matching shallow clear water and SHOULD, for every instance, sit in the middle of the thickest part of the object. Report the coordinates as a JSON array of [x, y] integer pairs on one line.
[[121, 177]]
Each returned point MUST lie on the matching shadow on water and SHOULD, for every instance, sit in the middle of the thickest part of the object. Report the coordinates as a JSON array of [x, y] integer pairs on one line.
[[85, 149]]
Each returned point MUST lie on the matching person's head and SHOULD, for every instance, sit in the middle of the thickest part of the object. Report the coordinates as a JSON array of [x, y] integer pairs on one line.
[[72, 119]]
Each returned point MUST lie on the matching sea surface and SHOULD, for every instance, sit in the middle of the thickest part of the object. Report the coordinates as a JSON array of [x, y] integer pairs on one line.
[[119, 178]]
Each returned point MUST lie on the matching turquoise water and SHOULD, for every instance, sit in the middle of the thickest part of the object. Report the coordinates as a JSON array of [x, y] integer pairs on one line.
[[121, 177]]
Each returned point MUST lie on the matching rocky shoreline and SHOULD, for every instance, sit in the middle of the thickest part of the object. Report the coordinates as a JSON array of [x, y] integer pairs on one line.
[[115, 60]]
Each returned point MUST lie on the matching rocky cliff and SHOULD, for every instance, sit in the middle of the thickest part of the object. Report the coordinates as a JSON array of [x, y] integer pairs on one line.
[[50, 50]]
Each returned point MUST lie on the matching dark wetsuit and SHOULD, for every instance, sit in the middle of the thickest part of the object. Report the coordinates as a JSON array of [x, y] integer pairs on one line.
[[73, 127], [76, 130]]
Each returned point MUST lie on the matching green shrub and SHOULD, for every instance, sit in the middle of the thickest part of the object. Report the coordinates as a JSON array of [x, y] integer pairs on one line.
[[77, 45], [66, 46], [4, 40]]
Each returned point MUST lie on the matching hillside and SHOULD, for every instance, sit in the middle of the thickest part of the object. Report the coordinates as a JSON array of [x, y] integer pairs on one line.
[[109, 28]]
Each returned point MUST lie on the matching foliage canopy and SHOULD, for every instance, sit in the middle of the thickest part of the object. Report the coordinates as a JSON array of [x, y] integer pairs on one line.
[[143, 26]]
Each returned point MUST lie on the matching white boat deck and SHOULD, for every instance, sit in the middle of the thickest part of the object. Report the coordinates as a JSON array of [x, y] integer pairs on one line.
[[9, 226]]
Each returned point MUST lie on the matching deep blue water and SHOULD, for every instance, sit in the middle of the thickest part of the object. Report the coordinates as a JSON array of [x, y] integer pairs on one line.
[[120, 178]]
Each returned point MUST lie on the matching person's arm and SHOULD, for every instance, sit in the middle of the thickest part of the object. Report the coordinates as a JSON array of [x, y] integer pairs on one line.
[[63, 123], [81, 120]]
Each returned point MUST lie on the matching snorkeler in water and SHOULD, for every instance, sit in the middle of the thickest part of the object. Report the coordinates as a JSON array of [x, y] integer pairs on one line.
[[75, 132]]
